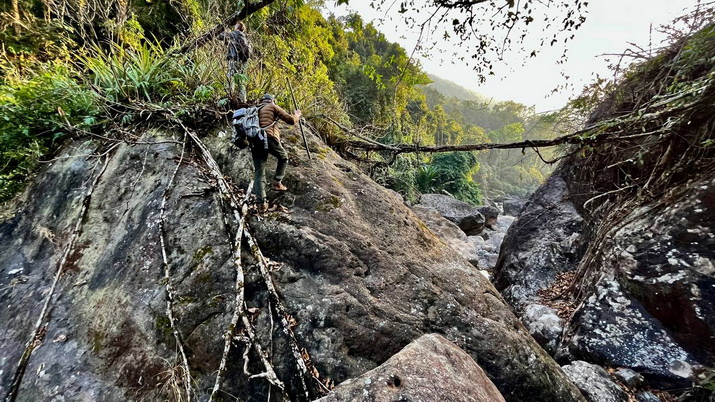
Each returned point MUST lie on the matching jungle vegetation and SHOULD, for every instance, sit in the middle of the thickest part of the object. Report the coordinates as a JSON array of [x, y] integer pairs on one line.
[[101, 68]]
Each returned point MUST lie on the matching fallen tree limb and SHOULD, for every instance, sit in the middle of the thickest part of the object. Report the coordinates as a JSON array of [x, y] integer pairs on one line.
[[228, 195], [238, 303]]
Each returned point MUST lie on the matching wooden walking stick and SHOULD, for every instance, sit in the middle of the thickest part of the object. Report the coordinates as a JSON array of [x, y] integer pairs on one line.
[[300, 123]]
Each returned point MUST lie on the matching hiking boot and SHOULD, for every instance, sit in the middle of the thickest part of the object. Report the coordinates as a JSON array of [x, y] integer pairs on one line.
[[278, 186], [263, 208]]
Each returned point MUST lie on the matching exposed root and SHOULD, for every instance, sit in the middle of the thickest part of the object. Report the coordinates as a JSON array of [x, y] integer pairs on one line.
[[281, 312], [167, 278], [42, 321], [239, 309]]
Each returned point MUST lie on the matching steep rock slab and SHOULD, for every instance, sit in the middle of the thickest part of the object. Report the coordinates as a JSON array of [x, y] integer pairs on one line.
[[466, 216], [108, 336], [428, 369], [361, 276], [364, 277], [543, 241]]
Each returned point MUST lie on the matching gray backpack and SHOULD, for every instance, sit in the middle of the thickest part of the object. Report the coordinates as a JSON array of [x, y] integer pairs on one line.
[[246, 127]]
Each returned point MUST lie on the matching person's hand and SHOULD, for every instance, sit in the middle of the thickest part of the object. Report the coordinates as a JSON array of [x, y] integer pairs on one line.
[[298, 114]]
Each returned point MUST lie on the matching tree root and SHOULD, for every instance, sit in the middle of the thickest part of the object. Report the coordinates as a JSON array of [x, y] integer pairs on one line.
[[167, 278]]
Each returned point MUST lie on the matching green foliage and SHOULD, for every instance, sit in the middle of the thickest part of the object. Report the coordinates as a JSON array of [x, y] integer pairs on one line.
[[126, 74], [426, 179], [34, 113], [454, 173]]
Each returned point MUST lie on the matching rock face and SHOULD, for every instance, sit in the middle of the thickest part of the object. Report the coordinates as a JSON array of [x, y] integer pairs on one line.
[[595, 382], [361, 277], [512, 206], [449, 232], [652, 308], [466, 216], [428, 369], [544, 325], [543, 241], [615, 329]]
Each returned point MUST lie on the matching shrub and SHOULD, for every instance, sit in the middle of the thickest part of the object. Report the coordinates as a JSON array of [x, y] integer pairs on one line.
[[34, 113]]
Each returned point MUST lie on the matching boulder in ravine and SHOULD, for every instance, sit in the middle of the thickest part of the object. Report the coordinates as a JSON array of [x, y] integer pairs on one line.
[[629, 378], [544, 325], [662, 281], [448, 232], [595, 382], [614, 329], [665, 259], [542, 242], [512, 206], [428, 369], [490, 215], [359, 274], [464, 215], [652, 307]]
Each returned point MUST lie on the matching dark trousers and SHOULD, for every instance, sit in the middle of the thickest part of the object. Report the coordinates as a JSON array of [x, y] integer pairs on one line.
[[260, 157]]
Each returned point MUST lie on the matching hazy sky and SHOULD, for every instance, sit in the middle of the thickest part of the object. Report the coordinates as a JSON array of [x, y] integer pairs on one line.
[[610, 26]]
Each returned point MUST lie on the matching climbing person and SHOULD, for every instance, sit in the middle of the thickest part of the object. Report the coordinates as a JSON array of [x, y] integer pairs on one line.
[[237, 53], [268, 115]]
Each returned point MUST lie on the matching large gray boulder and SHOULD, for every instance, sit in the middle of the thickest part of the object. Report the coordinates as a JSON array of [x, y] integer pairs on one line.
[[448, 232], [613, 328], [466, 216], [655, 311], [428, 369], [512, 206], [544, 324], [360, 275], [651, 304], [543, 241], [595, 382]]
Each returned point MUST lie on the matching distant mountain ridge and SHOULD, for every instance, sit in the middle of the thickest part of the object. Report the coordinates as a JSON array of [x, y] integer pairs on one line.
[[451, 88]]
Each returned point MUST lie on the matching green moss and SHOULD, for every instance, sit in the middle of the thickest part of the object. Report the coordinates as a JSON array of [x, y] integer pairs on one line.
[[204, 277], [163, 326], [201, 253], [331, 203], [186, 299], [96, 338]]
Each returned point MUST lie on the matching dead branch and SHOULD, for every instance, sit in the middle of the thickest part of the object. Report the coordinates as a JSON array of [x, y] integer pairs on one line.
[[239, 302], [281, 311], [229, 196], [167, 277]]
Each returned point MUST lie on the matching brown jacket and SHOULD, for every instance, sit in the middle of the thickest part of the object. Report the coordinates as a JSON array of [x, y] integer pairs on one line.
[[271, 113]]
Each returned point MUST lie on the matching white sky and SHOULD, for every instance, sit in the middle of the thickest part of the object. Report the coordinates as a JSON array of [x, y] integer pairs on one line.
[[610, 26]]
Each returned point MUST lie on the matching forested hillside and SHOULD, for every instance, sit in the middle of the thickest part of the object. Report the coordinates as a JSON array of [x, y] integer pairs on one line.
[[90, 68]]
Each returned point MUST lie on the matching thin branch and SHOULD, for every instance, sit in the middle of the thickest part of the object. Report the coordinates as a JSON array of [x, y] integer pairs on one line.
[[167, 276]]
